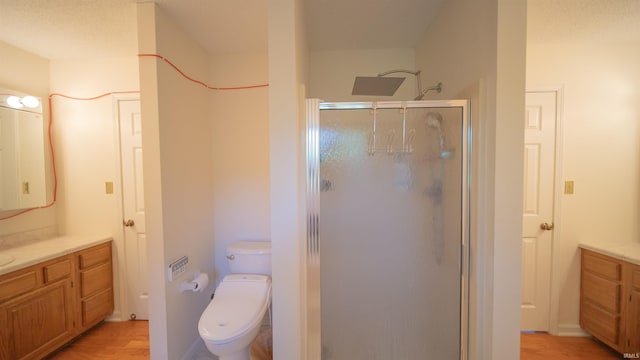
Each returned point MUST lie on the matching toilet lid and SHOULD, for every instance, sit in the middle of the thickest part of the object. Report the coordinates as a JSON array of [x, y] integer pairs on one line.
[[239, 303]]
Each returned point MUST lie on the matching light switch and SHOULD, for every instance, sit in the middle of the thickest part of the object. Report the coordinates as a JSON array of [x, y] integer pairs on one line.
[[568, 187], [108, 186]]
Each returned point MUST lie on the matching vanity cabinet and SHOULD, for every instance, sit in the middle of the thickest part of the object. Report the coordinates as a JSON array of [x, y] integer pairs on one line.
[[601, 298], [44, 306], [36, 309], [610, 301]]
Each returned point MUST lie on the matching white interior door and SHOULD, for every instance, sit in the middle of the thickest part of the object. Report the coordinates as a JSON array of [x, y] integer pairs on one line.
[[537, 217], [133, 207]]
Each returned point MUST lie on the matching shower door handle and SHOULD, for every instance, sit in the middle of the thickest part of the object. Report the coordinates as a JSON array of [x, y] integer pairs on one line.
[[546, 226]]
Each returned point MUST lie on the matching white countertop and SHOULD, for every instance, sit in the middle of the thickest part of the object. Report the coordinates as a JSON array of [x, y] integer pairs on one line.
[[39, 251], [627, 251]]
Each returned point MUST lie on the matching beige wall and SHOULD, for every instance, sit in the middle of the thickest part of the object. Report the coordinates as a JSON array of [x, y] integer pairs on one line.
[[288, 59], [476, 48], [240, 143], [332, 73], [24, 71], [86, 142], [87, 151], [599, 141], [178, 178]]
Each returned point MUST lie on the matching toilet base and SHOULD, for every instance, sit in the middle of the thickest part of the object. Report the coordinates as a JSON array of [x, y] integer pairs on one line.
[[240, 355], [229, 352]]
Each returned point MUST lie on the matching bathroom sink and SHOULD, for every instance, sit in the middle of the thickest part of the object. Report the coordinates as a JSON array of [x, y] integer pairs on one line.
[[6, 259]]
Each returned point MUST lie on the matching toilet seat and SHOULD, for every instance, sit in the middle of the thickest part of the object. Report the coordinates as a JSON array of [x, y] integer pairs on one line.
[[239, 304]]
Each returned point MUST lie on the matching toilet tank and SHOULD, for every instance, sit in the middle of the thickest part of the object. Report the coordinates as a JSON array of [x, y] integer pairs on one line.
[[249, 257]]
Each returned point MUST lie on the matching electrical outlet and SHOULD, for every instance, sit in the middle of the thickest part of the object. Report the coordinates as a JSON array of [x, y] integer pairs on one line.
[[178, 267]]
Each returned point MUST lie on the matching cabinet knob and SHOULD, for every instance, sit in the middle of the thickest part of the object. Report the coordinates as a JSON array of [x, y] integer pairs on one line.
[[546, 226]]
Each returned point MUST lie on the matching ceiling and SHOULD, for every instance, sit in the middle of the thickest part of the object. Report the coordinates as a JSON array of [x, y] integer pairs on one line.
[[62, 29], [65, 29], [71, 29]]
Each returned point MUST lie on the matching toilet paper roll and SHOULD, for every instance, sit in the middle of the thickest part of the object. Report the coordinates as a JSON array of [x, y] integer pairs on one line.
[[199, 283]]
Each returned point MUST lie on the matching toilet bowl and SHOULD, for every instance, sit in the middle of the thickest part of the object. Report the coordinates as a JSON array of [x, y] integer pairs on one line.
[[233, 318]]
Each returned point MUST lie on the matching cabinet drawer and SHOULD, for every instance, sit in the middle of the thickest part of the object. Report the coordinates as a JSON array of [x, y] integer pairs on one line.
[[603, 292], [95, 256], [601, 324], [97, 307], [602, 266], [18, 285], [95, 279], [56, 271]]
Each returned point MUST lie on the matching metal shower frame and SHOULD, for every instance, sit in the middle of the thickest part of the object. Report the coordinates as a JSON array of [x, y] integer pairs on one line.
[[311, 244]]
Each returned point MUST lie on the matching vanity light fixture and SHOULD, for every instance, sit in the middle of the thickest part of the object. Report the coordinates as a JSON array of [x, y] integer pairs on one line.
[[20, 102]]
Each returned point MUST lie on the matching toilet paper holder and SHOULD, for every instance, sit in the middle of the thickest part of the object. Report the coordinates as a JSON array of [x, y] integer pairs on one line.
[[198, 284]]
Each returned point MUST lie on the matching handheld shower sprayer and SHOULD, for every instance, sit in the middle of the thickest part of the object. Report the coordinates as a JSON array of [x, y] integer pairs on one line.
[[434, 120]]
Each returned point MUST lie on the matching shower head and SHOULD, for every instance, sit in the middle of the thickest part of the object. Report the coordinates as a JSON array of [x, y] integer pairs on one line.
[[381, 85], [387, 86], [376, 85]]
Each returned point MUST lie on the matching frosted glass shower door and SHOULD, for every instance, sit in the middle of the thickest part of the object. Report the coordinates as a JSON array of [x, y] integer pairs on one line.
[[391, 232]]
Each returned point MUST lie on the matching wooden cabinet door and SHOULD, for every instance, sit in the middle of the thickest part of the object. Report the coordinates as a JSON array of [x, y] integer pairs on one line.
[[633, 312], [37, 323]]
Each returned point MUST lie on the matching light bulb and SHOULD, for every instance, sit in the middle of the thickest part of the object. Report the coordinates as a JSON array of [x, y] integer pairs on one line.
[[30, 101], [14, 102]]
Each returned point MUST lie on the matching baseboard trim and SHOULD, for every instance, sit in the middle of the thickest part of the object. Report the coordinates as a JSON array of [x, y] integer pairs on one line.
[[115, 317], [571, 330]]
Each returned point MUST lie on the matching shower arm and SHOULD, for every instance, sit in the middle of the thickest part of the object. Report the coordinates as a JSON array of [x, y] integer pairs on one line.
[[414, 73], [437, 88]]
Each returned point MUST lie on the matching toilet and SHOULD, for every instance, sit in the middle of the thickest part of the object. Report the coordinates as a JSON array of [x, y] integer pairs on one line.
[[233, 318]]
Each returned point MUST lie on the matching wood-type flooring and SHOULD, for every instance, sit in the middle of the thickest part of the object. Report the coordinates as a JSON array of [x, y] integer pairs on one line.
[[542, 346], [130, 340], [109, 340]]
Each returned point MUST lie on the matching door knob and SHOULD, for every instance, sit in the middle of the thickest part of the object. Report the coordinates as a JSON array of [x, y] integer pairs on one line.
[[545, 226], [128, 223]]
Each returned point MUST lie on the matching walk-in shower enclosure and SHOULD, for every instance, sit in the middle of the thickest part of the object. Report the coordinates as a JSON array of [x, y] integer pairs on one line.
[[388, 228]]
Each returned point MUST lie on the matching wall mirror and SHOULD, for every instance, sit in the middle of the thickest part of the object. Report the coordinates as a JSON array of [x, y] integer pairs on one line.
[[22, 165]]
